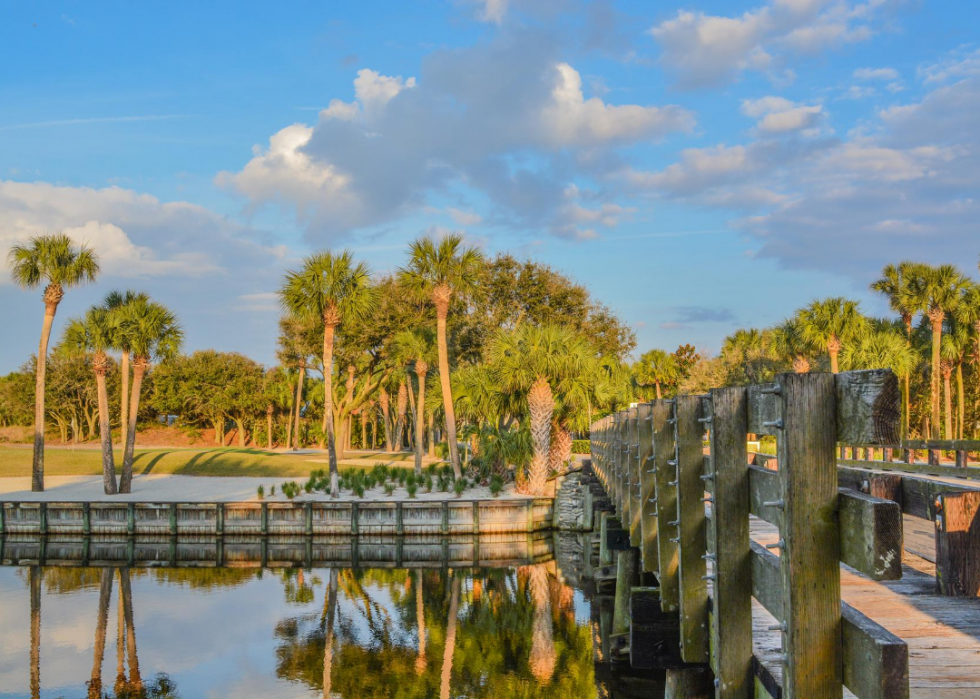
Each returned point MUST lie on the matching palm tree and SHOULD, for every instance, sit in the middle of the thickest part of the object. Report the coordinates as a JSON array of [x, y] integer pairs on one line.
[[34, 580], [330, 289], [116, 301], [789, 343], [896, 283], [436, 271], [152, 332], [939, 291], [416, 346], [967, 315], [540, 360], [880, 349], [102, 623], [955, 345], [54, 259], [327, 620], [656, 368], [420, 661], [830, 324], [96, 333], [447, 656]]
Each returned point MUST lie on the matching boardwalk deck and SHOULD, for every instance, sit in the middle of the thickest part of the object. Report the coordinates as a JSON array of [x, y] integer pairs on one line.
[[942, 633]]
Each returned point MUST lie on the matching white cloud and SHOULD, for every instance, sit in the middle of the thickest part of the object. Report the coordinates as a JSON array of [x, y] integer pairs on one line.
[[134, 235], [781, 116], [706, 50], [373, 90], [961, 63], [876, 74], [493, 10], [465, 218]]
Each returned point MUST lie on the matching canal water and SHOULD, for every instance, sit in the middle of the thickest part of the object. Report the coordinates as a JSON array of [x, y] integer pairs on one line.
[[131, 628]]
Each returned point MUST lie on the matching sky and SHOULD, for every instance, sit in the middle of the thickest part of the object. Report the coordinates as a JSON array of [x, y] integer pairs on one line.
[[699, 165]]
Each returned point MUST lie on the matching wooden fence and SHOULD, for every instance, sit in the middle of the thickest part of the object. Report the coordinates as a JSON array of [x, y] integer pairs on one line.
[[688, 514]]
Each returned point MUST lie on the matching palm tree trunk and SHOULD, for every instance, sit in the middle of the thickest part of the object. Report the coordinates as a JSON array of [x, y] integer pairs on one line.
[[659, 396], [125, 589], [120, 641], [289, 422], [328, 333], [268, 427], [442, 310], [414, 415], [331, 612], [124, 399], [447, 657], [960, 402], [98, 655], [542, 658], [541, 405], [432, 434], [37, 465], [299, 403], [948, 390], [400, 420], [126, 480], [105, 435], [386, 419], [35, 582], [560, 449], [907, 401], [937, 335], [420, 420], [364, 444], [419, 623], [833, 360]]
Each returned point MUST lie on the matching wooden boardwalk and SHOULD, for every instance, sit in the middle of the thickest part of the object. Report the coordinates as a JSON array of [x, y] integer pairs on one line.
[[942, 633]]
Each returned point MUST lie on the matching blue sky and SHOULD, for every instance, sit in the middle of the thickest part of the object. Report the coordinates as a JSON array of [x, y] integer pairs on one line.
[[701, 166]]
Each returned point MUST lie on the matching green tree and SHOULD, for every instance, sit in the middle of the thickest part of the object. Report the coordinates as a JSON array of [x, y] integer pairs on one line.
[[937, 290], [541, 361], [330, 288], [830, 324], [117, 302], [56, 260], [95, 333], [152, 332], [436, 271], [790, 344], [656, 368]]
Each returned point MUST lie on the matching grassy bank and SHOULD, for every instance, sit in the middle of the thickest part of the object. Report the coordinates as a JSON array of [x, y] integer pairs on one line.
[[227, 461]]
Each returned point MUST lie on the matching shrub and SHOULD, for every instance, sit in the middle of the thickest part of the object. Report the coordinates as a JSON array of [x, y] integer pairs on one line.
[[580, 446], [496, 485], [459, 486], [272, 490], [389, 488], [359, 489], [412, 488], [261, 492], [428, 484]]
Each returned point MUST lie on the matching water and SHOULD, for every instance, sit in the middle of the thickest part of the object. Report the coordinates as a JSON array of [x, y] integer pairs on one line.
[[522, 629]]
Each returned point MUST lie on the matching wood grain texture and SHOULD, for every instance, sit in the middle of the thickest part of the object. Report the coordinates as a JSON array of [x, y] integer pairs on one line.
[[958, 544], [649, 553], [664, 475]]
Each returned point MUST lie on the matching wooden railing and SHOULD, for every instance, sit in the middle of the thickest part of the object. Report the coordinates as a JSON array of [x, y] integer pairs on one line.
[[688, 514], [903, 456]]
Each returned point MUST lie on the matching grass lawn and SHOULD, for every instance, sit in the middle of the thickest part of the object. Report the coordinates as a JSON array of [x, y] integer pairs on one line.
[[227, 461]]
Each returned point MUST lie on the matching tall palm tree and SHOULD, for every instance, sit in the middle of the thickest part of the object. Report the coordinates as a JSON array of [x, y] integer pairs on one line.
[[830, 324], [116, 302], [447, 656], [96, 333], [880, 349], [540, 360], [417, 347], [656, 368], [420, 661], [436, 271], [967, 315], [34, 580], [956, 344], [152, 332], [327, 620], [939, 290], [896, 284], [331, 289], [54, 259]]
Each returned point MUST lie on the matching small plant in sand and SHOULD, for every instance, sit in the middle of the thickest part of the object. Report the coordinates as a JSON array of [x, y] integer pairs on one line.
[[412, 488], [290, 489], [389, 489], [359, 489], [443, 484], [459, 486], [496, 485], [272, 491], [260, 492], [428, 483]]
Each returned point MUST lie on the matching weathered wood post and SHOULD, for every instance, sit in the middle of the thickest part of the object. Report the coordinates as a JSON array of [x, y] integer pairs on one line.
[[809, 563], [958, 544], [649, 552], [691, 532], [666, 494], [636, 503], [731, 619]]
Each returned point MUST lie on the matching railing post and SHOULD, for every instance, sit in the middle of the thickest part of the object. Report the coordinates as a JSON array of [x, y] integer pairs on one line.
[[636, 505], [648, 491], [666, 493], [692, 569], [810, 560], [731, 619]]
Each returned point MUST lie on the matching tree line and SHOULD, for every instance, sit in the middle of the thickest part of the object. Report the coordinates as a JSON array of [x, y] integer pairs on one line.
[[932, 343]]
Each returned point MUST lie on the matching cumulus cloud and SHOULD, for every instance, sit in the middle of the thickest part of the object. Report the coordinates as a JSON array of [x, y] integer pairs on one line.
[[507, 118], [961, 63], [780, 116], [135, 235], [709, 50]]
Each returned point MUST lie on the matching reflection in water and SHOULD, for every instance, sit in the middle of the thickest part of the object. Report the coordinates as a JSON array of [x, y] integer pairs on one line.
[[335, 632]]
